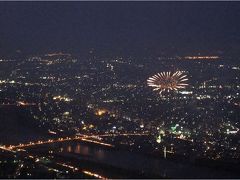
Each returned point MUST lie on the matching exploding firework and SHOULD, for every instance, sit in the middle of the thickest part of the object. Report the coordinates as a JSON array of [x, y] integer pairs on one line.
[[168, 81]]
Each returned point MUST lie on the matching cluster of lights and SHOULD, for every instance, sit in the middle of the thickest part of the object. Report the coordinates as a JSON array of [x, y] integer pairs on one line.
[[94, 175], [7, 81], [84, 171], [22, 103], [100, 112], [58, 54], [62, 98], [201, 57], [68, 166], [97, 142]]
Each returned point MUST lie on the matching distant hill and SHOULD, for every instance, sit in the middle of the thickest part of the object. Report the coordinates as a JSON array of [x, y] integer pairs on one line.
[[17, 126]]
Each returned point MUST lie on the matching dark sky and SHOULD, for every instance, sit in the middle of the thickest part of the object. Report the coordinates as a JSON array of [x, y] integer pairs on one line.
[[120, 27]]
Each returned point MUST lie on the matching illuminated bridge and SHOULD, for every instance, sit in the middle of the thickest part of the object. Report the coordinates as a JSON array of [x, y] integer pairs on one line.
[[95, 139]]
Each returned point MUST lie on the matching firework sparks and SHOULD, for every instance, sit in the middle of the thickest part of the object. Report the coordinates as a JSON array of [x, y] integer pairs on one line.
[[168, 81]]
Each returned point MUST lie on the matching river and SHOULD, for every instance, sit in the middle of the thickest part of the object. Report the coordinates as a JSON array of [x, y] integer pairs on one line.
[[137, 161]]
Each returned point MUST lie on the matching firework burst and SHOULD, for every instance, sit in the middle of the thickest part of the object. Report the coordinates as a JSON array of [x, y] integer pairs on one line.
[[168, 81]]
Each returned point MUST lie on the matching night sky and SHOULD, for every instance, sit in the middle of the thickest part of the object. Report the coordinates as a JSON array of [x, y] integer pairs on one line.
[[120, 27]]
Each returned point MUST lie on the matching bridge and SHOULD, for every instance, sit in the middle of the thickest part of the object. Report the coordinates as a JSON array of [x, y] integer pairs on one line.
[[95, 139]]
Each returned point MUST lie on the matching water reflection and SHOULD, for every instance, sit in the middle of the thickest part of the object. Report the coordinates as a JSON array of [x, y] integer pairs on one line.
[[134, 161], [122, 159], [77, 149], [100, 154], [80, 149], [85, 150], [69, 149]]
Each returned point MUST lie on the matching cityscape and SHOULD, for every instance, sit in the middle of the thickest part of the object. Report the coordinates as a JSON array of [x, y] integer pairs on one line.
[[114, 115]]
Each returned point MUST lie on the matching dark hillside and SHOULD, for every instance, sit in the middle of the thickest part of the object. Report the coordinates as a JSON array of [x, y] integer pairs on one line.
[[17, 126]]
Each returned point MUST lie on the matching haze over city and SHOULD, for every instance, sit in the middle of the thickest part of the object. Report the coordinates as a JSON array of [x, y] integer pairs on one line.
[[119, 90]]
